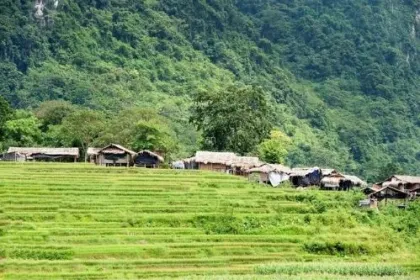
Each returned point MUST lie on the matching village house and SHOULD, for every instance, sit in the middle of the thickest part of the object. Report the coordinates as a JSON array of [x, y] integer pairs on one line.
[[304, 177], [13, 156], [356, 181], [189, 163], [242, 164], [148, 159], [115, 155], [41, 154], [212, 161], [337, 181], [92, 155], [389, 192], [273, 174], [403, 183]]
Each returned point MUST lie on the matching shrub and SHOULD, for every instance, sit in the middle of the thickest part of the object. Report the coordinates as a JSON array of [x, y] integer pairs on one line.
[[343, 248]]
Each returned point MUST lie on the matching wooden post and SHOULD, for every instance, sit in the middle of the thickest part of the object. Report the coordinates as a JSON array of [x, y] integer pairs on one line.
[[128, 160]]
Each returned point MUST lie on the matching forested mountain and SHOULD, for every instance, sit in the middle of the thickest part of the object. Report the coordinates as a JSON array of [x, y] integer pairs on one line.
[[342, 76]]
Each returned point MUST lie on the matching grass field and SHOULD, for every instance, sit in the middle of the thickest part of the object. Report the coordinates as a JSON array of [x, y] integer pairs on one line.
[[76, 221]]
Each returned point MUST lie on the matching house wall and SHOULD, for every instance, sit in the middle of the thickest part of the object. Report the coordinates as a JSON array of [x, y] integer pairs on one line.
[[111, 159], [14, 157], [412, 186], [213, 167], [146, 160], [93, 159]]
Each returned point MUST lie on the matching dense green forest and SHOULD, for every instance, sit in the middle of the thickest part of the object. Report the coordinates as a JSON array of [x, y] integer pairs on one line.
[[341, 77]]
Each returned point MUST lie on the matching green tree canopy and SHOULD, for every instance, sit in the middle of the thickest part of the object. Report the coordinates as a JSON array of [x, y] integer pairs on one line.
[[275, 149], [153, 136], [82, 127], [53, 112], [23, 130], [235, 119]]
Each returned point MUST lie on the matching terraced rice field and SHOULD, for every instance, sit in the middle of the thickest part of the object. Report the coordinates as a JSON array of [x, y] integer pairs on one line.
[[76, 221]]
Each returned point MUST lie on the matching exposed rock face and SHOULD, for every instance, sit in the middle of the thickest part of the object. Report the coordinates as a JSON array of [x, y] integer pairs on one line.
[[41, 7]]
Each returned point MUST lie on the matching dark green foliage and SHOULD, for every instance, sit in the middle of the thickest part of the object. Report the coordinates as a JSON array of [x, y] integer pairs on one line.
[[343, 248], [5, 115], [234, 119], [53, 112]]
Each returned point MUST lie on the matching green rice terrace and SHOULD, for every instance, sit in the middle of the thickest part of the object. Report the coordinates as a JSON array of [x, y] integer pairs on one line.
[[77, 221]]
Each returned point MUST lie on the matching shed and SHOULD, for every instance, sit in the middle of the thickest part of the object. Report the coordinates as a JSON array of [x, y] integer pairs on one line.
[[14, 156], [328, 172], [45, 154], [215, 161], [303, 177], [241, 164], [337, 181], [389, 192], [148, 159], [402, 182], [356, 181], [115, 155], [92, 154], [264, 172], [189, 163]]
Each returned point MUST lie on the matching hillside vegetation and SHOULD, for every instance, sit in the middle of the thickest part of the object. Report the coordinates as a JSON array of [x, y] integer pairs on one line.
[[342, 76], [77, 221]]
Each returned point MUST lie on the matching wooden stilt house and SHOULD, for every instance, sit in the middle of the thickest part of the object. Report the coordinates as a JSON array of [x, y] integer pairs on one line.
[[115, 155]]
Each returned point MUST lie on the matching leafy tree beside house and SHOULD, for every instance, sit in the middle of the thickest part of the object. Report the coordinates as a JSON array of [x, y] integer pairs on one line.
[[235, 119], [276, 148], [22, 130]]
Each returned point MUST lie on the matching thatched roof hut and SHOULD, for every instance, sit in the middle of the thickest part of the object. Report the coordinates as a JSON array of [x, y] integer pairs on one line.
[[332, 182], [304, 176], [402, 182], [115, 155], [115, 149], [356, 181], [206, 157], [270, 173], [341, 182], [148, 159], [267, 168], [215, 161], [92, 154], [245, 163], [389, 192], [93, 151], [328, 171]]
